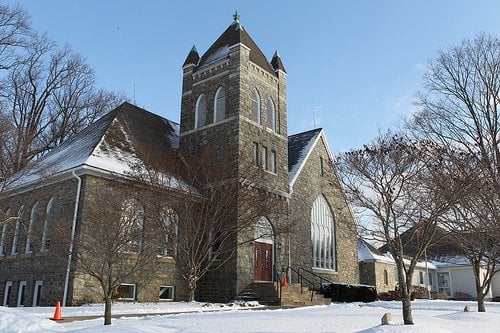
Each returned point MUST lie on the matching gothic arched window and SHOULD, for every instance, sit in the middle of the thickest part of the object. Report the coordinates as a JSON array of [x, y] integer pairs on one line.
[[169, 221], [255, 106], [131, 226], [271, 115], [34, 216], [201, 112], [220, 105], [322, 235], [46, 227]]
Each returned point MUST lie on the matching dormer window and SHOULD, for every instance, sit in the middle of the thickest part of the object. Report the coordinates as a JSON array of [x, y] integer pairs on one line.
[[255, 106], [201, 111], [271, 115], [220, 105]]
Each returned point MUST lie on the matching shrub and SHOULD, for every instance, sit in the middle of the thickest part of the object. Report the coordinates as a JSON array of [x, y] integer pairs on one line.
[[419, 292], [436, 295], [460, 296]]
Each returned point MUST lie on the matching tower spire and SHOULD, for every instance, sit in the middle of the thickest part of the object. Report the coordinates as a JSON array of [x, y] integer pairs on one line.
[[236, 17], [236, 22]]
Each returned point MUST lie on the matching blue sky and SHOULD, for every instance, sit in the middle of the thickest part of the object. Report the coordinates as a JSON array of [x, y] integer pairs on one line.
[[353, 66]]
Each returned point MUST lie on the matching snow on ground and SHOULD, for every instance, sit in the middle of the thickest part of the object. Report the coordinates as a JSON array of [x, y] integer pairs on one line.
[[429, 316]]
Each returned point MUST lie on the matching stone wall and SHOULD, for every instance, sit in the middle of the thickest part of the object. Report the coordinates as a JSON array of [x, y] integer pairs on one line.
[[309, 185], [47, 265], [372, 273]]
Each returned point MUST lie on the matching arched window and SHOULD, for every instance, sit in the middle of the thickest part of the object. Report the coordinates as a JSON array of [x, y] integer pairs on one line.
[[15, 240], [201, 112], [322, 235], [169, 223], [33, 222], [386, 278], [263, 231], [3, 236], [46, 227], [131, 226], [255, 106], [271, 115], [220, 105]]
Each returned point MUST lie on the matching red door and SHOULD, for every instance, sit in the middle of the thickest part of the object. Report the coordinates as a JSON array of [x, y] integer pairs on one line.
[[263, 261]]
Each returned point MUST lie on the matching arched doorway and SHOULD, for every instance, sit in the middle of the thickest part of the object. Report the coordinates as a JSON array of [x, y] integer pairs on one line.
[[263, 251]]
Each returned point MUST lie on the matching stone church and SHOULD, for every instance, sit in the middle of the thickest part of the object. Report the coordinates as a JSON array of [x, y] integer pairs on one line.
[[232, 98]]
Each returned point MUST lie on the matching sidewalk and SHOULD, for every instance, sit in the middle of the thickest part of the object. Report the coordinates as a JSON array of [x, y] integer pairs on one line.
[[70, 319]]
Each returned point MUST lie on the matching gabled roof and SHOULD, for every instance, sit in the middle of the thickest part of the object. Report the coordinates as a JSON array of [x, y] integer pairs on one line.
[[300, 146], [367, 252], [233, 35], [126, 136]]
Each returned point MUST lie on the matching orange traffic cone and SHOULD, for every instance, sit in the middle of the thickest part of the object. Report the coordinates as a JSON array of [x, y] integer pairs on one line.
[[57, 313], [285, 282]]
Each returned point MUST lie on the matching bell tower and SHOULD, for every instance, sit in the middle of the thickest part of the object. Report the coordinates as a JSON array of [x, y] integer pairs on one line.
[[234, 106], [234, 101]]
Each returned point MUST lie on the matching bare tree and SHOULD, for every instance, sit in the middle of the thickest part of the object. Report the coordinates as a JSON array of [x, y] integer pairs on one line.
[[216, 214], [116, 241], [15, 31], [396, 187], [459, 108], [47, 97]]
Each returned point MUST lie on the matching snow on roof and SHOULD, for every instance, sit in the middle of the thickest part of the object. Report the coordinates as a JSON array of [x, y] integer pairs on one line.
[[299, 147], [115, 143], [447, 261], [216, 56], [366, 252]]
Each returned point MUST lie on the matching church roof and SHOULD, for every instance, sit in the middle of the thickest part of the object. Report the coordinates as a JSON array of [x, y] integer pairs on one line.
[[233, 35], [123, 139], [299, 147]]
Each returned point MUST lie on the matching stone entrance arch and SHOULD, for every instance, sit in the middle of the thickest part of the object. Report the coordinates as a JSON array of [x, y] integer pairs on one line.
[[263, 254]]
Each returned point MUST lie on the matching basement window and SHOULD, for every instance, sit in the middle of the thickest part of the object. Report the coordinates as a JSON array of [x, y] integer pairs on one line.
[[126, 292], [166, 293]]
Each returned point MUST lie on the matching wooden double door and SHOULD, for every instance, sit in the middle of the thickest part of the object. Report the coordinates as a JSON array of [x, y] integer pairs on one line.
[[263, 261]]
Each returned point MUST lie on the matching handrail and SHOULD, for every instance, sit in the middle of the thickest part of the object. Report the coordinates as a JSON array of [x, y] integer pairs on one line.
[[301, 278], [321, 279]]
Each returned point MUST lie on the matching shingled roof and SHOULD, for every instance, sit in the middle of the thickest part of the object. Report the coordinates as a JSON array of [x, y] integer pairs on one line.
[[124, 137], [299, 146], [233, 35]]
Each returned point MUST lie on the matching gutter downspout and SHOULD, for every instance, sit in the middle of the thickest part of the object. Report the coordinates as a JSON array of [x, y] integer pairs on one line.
[[73, 227]]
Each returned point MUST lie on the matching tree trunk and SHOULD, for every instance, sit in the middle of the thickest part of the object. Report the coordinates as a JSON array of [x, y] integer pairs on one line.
[[480, 302], [476, 267], [407, 316], [192, 286], [107, 311]]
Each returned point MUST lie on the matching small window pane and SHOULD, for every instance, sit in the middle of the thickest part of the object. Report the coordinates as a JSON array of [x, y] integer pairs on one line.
[[166, 293], [255, 154], [264, 158], [126, 292], [273, 161]]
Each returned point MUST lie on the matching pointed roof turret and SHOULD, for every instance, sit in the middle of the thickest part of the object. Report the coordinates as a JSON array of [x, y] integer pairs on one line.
[[193, 57], [276, 62], [234, 34]]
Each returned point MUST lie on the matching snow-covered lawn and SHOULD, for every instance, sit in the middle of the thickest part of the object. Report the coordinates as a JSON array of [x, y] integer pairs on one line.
[[429, 316]]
